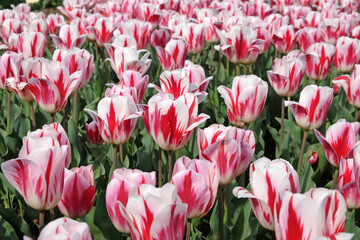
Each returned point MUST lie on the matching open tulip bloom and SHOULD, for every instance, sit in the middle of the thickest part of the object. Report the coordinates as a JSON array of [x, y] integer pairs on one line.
[[155, 213], [351, 86], [196, 182], [118, 190], [170, 121], [317, 213], [245, 100], [268, 179], [52, 93], [339, 141], [39, 177]]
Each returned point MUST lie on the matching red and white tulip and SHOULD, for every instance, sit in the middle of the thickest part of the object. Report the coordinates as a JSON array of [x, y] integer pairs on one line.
[[268, 179], [196, 182], [313, 106], [118, 190], [230, 148], [245, 100]]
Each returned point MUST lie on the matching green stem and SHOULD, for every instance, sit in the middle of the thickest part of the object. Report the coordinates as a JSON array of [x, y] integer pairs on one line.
[[170, 165], [160, 167], [237, 69], [33, 120], [216, 97], [289, 111], [115, 156], [356, 115], [121, 154], [193, 58], [334, 183], [226, 203], [188, 229], [52, 214], [245, 70], [227, 72], [211, 58], [302, 152], [282, 123], [8, 123], [52, 117], [221, 214], [41, 220], [75, 113]]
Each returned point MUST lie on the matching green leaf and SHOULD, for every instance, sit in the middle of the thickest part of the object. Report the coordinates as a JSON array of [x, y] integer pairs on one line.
[[306, 174], [350, 225], [18, 223]]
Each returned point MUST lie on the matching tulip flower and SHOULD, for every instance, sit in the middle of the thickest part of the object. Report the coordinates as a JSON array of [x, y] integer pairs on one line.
[[171, 122], [49, 135], [313, 158], [308, 36], [54, 22], [102, 30], [133, 83], [284, 39], [39, 178], [173, 83], [314, 103], [69, 37], [194, 36], [118, 190], [140, 30], [230, 148], [272, 178], [265, 33], [9, 67], [347, 54], [240, 46], [335, 208], [339, 141], [52, 94], [311, 111], [173, 56], [196, 75], [347, 183], [116, 118], [37, 25], [160, 37], [331, 30], [245, 100], [286, 76], [76, 59], [155, 213], [127, 58], [31, 44], [79, 192], [211, 24], [93, 133], [196, 182], [148, 12], [350, 85], [65, 228], [317, 213], [9, 26], [120, 41]]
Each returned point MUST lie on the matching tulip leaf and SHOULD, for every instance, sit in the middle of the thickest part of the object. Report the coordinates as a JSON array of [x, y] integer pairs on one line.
[[3, 148], [350, 225], [242, 228], [7, 231], [306, 174], [17, 222]]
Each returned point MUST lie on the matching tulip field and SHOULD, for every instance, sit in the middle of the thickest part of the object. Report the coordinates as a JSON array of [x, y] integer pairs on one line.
[[180, 119]]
